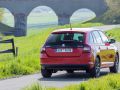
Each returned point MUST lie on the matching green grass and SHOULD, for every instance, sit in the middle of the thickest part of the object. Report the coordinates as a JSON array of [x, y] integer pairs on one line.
[[28, 61], [115, 33], [109, 82]]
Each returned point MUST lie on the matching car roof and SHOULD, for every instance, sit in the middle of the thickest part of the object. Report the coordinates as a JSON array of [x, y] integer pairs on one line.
[[83, 30]]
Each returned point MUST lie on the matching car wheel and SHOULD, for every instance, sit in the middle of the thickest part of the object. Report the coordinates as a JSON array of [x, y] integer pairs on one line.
[[46, 73], [87, 71], [95, 71], [115, 68], [70, 71]]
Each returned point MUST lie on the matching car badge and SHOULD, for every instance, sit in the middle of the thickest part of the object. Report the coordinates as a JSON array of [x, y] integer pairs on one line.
[[63, 45]]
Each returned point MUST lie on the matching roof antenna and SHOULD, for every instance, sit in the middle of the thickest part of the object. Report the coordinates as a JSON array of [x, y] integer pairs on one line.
[[70, 26]]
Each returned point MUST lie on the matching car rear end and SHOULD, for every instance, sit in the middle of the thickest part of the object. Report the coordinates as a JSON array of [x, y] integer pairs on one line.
[[66, 50]]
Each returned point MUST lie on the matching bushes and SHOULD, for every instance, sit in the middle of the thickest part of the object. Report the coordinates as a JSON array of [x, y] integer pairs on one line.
[[109, 17], [15, 68], [112, 16], [109, 82]]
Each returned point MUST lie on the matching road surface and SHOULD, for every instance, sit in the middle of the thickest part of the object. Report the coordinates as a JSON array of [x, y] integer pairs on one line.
[[59, 79]]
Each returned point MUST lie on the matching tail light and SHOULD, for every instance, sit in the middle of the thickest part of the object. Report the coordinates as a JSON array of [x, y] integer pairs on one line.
[[87, 49], [42, 50]]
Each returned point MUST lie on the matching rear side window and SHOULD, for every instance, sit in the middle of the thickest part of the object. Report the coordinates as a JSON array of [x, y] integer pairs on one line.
[[97, 37], [91, 40], [62, 38], [104, 38]]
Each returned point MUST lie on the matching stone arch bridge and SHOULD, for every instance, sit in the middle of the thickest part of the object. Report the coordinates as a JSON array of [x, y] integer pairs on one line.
[[64, 9]]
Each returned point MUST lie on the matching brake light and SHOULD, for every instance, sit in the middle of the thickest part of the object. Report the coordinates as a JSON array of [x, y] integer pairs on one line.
[[87, 49], [42, 50]]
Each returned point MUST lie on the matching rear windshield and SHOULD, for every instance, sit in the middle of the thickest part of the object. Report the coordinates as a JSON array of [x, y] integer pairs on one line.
[[68, 39]]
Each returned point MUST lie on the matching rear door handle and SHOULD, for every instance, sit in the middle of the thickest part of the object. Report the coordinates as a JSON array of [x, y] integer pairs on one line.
[[107, 48], [99, 48]]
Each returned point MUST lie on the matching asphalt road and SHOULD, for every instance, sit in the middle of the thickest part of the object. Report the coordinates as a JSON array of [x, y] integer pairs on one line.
[[59, 79]]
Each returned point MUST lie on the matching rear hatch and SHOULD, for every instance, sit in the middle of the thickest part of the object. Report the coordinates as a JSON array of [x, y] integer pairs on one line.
[[65, 44]]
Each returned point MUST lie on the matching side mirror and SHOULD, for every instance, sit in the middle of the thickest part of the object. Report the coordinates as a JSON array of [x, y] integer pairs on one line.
[[111, 41]]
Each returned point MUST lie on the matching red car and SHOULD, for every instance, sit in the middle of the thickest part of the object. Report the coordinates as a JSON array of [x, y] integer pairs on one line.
[[78, 49]]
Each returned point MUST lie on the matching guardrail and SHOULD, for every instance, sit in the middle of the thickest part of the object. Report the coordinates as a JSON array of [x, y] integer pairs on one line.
[[14, 49]]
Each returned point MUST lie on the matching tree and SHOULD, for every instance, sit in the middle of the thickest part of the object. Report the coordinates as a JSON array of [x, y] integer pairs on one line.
[[112, 16]]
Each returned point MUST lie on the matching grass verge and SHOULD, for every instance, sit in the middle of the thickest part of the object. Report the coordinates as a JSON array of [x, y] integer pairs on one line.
[[109, 82], [115, 33]]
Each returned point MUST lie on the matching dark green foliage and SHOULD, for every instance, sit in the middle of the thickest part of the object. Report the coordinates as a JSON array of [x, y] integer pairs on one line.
[[1, 14], [112, 16]]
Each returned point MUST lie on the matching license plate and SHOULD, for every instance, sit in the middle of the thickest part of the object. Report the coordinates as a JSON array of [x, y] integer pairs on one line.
[[64, 50]]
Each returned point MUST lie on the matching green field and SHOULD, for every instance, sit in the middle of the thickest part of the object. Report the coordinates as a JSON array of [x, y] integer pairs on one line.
[[115, 33], [28, 61]]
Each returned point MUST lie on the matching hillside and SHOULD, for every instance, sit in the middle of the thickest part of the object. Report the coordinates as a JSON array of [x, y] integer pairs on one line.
[[4, 29], [112, 16]]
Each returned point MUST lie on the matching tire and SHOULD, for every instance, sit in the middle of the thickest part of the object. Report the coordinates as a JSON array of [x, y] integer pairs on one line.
[[115, 68], [87, 71], [70, 71], [95, 71], [46, 73]]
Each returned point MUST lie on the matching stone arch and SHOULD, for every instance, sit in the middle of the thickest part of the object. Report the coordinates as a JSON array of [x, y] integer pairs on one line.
[[51, 13], [82, 14], [36, 6], [63, 9]]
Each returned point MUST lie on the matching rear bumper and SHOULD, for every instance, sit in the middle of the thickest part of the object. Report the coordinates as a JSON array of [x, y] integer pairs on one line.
[[83, 59], [65, 67], [82, 62]]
